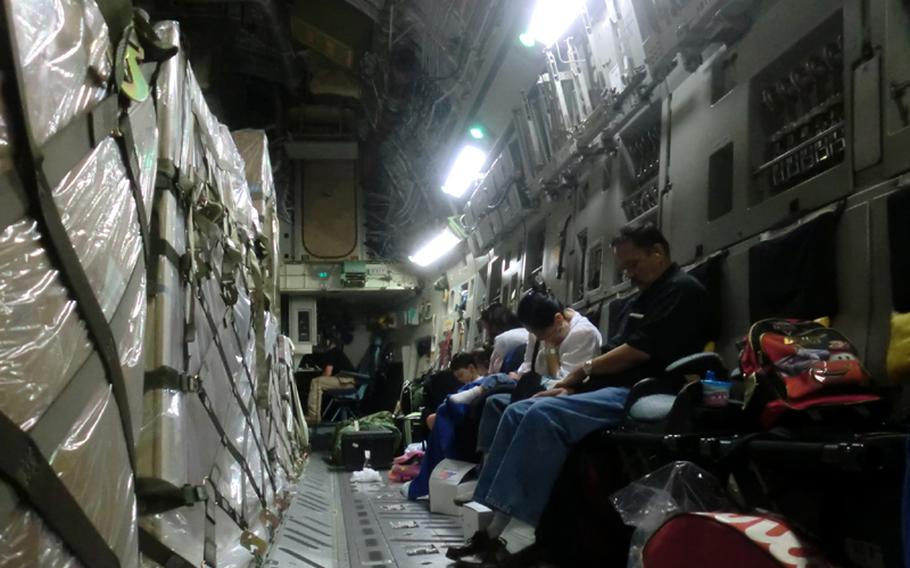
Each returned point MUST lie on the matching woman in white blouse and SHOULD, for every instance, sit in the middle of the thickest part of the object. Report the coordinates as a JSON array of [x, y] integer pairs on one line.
[[567, 339]]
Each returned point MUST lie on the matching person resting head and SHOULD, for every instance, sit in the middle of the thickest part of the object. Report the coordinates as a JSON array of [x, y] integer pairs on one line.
[[465, 369], [566, 340], [482, 361], [506, 334], [464, 366]]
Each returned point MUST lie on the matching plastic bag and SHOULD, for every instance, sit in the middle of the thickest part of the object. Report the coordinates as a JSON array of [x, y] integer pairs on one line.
[[678, 487], [366, 475]]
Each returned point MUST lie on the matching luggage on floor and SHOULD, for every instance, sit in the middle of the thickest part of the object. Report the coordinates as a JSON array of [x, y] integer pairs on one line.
[[721, 540]]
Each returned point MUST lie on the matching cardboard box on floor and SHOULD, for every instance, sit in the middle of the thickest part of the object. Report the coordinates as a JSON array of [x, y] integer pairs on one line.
[[444, 483], [475, 517]]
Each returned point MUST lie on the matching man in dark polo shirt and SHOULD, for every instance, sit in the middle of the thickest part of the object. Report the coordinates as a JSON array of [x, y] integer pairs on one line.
[[664, 321]]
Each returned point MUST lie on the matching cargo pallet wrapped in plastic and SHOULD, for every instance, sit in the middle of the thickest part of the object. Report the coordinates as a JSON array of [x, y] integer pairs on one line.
[[72, 283], [104, 420], [293, 408], [254, 149], [212, 460]]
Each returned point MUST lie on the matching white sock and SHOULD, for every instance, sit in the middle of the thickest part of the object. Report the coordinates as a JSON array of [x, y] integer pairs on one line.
[[518, 535], [466, 396], [496, 526]]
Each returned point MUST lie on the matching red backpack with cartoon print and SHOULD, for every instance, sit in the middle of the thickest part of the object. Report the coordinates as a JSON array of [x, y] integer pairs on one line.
[[798, 364]]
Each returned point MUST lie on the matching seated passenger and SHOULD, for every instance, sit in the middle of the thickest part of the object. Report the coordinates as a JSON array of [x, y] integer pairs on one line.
[[465, 368], [507, 335], [661, 324], [333, 361], [441, 443], [482, 358], [510, 340], [568, 340]]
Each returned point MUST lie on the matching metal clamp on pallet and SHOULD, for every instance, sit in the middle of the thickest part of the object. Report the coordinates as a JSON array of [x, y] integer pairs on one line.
[[172, 379], [157, 496]]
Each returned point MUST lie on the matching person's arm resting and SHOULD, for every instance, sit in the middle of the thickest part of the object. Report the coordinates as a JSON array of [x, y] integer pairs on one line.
[[670, 324], [584, 346], [527, 364], [616, 360]]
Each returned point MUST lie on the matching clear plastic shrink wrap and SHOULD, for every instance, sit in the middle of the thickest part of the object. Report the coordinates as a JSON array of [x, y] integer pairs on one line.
[[42, 340], [207, 329], [240, 200], [44, 346], [26, 541], [92, 463], [101, 224], [64, 44], [6, 149], [254, 148], [171, 97]]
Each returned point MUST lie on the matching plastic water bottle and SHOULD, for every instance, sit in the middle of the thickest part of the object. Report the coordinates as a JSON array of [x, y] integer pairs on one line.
[[366, 460]]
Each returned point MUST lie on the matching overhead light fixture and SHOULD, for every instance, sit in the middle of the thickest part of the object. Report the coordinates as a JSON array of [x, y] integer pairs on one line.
[[436, 248], [477, 132], [527, 40], [465, 170], [550, 20]]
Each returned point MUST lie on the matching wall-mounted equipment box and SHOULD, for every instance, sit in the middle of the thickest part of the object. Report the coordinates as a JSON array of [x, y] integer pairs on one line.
[[303, 324]]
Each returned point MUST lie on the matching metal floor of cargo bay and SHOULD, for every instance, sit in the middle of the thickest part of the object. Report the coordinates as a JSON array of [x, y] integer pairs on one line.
[[333, 523]]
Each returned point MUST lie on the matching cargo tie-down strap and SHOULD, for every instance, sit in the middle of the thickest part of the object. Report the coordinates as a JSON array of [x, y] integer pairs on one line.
[[168, 378], [111, 117], [39, 170], [249, 376], [157, 496], [27, 469], [61, 250], [21, 462], [158, 552]]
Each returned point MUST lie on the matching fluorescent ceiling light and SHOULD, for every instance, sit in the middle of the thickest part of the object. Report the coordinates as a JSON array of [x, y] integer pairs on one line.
[[465, 170], [436, 248], [551, 19]]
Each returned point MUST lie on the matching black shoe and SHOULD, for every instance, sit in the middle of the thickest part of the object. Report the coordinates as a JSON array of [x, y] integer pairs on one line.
[[525, 558], [480, 543], [476, 562], [498, 557]]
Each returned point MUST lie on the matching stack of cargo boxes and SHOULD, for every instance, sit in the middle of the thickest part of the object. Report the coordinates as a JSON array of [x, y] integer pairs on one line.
[[147, 401]]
